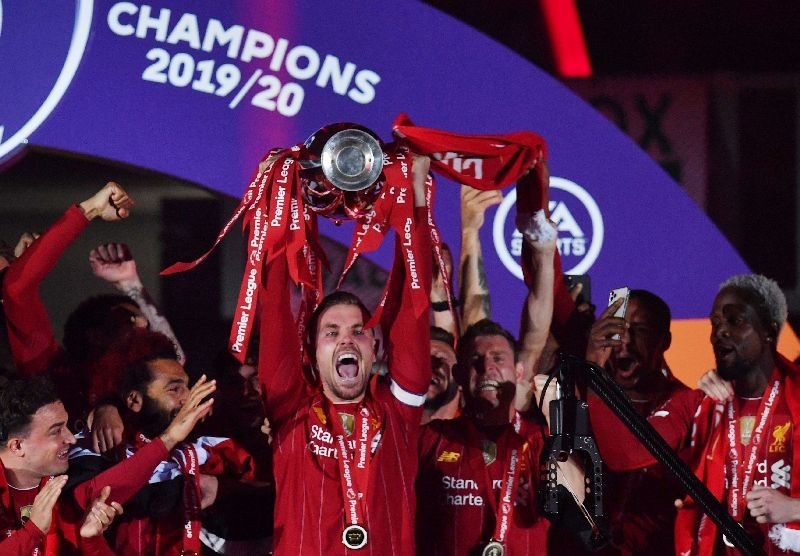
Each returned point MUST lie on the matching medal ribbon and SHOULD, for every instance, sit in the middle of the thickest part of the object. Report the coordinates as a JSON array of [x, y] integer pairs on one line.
[[740, 486], [191, 501], [371, 228], [502, 504], [436, 243], [394, 207], [276, 223], [191, 496], [353, 474]]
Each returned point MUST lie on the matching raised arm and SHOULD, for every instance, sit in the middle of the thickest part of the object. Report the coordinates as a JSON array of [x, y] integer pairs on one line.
[[408, 336], [114, 263], [472, 274], [539, 248], [279, 365], [30, 332]]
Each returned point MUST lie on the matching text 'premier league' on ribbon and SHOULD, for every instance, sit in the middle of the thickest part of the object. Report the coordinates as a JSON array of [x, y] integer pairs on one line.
[[344, 172]]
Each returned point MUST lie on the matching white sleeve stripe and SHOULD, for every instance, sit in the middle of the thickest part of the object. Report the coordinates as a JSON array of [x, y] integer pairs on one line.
[[406, 397]]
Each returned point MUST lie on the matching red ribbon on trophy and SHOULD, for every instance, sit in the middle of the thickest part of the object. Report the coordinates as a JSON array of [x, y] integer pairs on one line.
[[343, 171]]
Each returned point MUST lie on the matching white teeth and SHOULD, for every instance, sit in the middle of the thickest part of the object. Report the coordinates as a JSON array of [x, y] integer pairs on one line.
[[344, 356], [489, 385]]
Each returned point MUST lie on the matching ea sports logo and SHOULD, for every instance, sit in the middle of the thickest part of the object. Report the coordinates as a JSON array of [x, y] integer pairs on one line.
[[39, 62], [579, 222]]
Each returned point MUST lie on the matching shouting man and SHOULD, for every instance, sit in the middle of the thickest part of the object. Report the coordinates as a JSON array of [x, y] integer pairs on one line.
[[345, 448]]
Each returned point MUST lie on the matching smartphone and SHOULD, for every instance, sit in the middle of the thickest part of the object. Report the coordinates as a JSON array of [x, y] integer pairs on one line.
[[572, 280], [615, 294]]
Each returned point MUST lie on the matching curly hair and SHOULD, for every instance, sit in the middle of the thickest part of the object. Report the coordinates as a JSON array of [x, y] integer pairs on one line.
[[763, 294], [20, 399], [124, 367]]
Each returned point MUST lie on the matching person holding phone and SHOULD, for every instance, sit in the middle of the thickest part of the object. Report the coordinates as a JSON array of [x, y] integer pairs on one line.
[[631, 345]]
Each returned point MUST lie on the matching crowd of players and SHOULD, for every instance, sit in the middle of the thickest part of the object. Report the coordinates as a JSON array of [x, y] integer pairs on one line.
[[423, 437]]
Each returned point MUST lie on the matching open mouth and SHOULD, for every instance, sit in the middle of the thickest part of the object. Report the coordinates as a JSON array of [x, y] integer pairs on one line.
[[625, 366], [486, 385], [723, 352], [347, 366], [63, 454]]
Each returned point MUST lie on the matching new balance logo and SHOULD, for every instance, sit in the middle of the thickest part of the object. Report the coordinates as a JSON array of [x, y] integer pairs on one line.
[[449, 457]]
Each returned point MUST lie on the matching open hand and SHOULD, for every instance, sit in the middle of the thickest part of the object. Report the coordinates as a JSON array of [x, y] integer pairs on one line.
[[45, 501], [601, 340], [192, 411], [474, 203], [714, 387]]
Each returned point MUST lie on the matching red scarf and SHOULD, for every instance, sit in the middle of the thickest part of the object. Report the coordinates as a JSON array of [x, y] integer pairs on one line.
[[695, 532]]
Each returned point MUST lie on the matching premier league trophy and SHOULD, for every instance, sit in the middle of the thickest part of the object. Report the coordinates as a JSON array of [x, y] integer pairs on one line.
[[342, 172]]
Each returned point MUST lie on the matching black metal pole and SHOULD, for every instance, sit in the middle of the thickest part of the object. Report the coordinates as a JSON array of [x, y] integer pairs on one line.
[[613, 396]]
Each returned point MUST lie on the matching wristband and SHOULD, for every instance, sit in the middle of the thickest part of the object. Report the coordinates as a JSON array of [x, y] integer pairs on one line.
[[440, 306]]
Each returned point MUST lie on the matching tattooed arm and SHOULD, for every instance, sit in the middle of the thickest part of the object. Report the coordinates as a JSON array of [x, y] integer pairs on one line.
[[114, 263], [472, 275]]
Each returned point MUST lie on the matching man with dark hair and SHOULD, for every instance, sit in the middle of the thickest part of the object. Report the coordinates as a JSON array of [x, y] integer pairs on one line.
[[230, 525], [479, 471], [443, 399], [239, 392], [636, 362], [34, 446], [344, 446], [160, 410]]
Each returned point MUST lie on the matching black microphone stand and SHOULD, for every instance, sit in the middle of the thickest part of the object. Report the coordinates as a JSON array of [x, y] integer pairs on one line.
[[569, 432]]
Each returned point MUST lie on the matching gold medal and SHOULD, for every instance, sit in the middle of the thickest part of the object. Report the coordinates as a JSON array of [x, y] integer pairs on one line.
[[355, 537], [494, 548], [489, 450]]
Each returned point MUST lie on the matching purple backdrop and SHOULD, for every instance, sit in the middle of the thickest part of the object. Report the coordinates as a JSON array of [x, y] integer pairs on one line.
[[201, 90]]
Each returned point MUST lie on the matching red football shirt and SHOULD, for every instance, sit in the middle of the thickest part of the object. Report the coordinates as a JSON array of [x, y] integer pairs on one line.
[[22, 502], [309, 508], [457, 463]]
